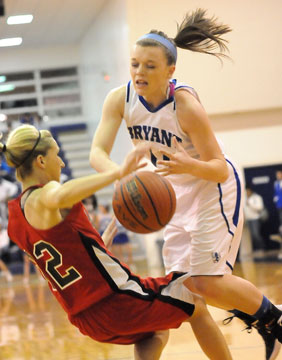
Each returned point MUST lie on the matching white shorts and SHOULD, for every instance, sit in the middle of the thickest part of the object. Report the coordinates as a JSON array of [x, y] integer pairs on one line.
[[204, 234]]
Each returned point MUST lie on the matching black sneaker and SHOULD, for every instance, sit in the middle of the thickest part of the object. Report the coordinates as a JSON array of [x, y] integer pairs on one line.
[[272, 345], [270, 334], [273, 322]]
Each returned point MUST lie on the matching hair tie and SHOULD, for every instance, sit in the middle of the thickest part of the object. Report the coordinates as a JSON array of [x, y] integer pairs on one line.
[[4, 148]]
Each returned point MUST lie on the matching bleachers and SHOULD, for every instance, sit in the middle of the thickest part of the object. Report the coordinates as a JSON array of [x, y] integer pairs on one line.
[[75, 143]]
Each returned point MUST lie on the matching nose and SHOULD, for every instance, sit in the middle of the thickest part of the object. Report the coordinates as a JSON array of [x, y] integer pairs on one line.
[[140, 69]]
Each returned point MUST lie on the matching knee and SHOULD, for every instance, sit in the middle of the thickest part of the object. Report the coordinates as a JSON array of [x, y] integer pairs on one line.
[[206, 286], [151, 348], [162, 336], [200, 309], [199, 302]]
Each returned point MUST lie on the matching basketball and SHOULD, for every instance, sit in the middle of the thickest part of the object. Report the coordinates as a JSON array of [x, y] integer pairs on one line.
[[144, 202]]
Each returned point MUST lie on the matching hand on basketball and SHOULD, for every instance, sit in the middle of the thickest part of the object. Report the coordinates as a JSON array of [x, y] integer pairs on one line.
[[110, 232], [132, 160], [178, 163]]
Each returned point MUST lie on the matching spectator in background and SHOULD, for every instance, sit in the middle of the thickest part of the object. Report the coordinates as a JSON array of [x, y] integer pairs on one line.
[[28, 264], [254, 207], [121, 245], [31, 119], [8, 190], [27, 118], [6, 172], [104, 216], [91, 205], [4, 246], [278, 197]]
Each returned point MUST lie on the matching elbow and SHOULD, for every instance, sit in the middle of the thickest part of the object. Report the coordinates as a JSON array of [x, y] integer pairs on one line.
[[96, 158], [222, 179], [93, 157], [91, 161], [223, 175]]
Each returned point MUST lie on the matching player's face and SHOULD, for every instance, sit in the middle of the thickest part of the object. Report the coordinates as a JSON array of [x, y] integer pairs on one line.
[[54, 163], [150, 72]]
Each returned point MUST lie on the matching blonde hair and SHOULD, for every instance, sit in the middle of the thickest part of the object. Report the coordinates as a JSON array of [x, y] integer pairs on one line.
[[23, 145]]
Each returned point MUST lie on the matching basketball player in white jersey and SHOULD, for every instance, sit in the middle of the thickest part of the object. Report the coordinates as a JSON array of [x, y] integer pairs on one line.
[[204, 235]]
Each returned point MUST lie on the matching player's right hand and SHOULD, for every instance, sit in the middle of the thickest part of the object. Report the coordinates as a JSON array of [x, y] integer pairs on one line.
[[132, 160]]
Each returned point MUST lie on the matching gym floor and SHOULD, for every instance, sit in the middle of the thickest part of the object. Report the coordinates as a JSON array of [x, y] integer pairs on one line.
[[34, 327]]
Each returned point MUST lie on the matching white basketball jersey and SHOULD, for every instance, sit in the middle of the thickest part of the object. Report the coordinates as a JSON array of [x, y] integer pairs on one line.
[[200, 236], [158, 125]]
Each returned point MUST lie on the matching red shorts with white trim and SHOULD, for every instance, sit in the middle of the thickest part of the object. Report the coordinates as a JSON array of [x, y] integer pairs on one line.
[[124, 318]]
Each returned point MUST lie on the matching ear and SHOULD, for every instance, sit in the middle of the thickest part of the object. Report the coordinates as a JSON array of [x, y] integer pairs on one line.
[[171, 71], [40, 161]]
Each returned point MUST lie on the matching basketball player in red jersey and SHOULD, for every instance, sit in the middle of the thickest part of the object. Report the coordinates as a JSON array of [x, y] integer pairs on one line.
[[204, 234], [100, 295]]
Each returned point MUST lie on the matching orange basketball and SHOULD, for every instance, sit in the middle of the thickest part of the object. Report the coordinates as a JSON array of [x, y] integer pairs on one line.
[[144, 202]]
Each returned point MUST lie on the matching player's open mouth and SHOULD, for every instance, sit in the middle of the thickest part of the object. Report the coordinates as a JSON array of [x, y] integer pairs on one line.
[[141, 83]]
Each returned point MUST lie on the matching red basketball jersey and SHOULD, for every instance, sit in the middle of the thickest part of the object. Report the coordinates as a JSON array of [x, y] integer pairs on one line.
[[80, 270], [63, 254]]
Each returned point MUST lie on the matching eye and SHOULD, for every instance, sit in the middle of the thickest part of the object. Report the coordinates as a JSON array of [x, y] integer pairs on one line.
[[151, 66], [134, 65]]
